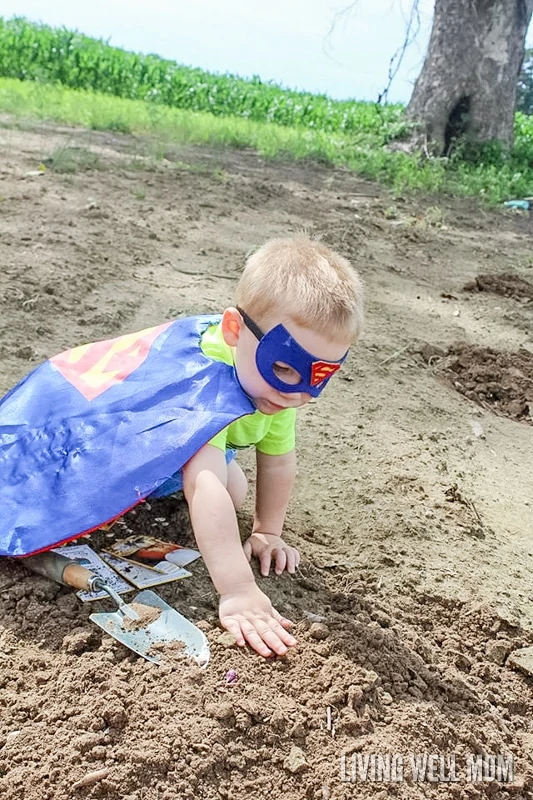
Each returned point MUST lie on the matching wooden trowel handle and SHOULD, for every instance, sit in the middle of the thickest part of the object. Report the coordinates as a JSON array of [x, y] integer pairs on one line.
[[78, 577], [61, 569]]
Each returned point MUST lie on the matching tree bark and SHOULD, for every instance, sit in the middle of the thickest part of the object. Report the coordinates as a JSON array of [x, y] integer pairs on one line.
[[468, 82]]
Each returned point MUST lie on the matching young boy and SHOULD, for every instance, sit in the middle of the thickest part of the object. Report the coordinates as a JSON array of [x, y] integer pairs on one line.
[[295, 298], [96, 429]]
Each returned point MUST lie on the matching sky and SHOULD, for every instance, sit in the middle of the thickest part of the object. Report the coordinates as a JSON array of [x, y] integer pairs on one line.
[[314, 45]]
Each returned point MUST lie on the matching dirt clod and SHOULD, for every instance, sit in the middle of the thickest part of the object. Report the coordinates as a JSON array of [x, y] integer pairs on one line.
[[522, 660], [226, 639], [319, 631], [499, 381], [80, 640], [499, 650], [506, 284], [295, 761], [219, 710]]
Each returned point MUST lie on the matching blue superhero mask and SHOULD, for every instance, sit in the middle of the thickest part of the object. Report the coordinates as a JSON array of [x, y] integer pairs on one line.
[[278, 348]]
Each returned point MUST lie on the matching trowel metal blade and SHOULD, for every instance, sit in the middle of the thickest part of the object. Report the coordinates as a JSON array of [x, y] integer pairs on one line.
[[170, 626]]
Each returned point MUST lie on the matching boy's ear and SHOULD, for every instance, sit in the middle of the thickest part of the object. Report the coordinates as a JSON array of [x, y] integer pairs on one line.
[[231, 326]]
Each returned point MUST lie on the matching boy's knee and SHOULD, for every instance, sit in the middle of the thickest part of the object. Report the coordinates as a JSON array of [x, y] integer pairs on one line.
[[237, 485]]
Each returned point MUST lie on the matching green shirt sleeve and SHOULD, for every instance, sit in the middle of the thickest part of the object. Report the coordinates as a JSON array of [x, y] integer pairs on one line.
[[281, 436]]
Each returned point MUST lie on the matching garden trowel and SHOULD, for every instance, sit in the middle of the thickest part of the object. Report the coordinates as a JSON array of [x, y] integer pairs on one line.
[[146, 625]]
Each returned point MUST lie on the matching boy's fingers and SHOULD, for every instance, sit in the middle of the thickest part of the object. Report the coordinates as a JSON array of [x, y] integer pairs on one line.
[[255, 640], [291, 560], [274, 641], [275, 636], [281, 560], [264, 560], [264, 633], [245, 633], [287, 623], [286, 637], [247, 547]]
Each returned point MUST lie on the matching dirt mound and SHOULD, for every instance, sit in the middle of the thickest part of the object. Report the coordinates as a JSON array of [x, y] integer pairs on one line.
[[431, 679], [506, 284], [501, 382], [364, 682]]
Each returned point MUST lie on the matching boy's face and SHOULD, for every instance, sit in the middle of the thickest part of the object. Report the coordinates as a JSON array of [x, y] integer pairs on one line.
[[270, 399]]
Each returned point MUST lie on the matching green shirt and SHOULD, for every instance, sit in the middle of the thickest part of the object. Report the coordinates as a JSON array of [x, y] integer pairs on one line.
[[272, 434]]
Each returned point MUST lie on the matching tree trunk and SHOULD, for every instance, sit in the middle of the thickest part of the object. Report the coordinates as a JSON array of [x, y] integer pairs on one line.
[[468, 82]]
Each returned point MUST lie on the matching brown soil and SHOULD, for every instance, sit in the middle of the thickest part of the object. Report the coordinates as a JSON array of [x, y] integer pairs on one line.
[[507, 284], [412, 508], [146, 614], [501, 382]]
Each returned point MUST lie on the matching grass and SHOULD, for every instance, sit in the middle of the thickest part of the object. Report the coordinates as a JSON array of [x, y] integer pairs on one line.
[[71, 160], [498, 179]]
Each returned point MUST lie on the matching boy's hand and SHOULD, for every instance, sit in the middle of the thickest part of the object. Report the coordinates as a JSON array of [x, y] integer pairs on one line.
[[267, 548], [248, 614]]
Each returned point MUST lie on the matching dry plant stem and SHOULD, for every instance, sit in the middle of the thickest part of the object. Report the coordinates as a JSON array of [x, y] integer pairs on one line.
[[394, 355]]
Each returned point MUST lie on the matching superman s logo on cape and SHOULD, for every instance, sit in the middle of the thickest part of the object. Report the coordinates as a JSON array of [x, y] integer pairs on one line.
[[93, 368], [95, 430]]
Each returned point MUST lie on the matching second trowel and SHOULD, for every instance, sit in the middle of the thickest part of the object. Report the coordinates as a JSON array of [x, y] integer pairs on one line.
[[145, 625]]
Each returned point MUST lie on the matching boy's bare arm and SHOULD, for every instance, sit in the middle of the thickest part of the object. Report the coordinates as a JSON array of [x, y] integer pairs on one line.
[[213, 519], [244, 609], [274, 484]]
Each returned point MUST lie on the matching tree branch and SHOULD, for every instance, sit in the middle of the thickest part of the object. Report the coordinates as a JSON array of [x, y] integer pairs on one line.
[[412, 29]]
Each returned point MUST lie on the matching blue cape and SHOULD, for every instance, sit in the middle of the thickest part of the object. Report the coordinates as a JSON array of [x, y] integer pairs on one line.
[[95, 430]]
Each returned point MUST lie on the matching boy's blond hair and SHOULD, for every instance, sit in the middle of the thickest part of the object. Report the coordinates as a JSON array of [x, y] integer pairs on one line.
[[305, 280]]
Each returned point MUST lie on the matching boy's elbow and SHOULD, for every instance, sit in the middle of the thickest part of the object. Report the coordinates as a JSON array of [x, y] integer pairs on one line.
[[206, 473], [194, 481]]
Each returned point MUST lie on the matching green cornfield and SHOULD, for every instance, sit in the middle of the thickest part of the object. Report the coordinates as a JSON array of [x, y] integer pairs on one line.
[[85, 76], [35, 52]]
